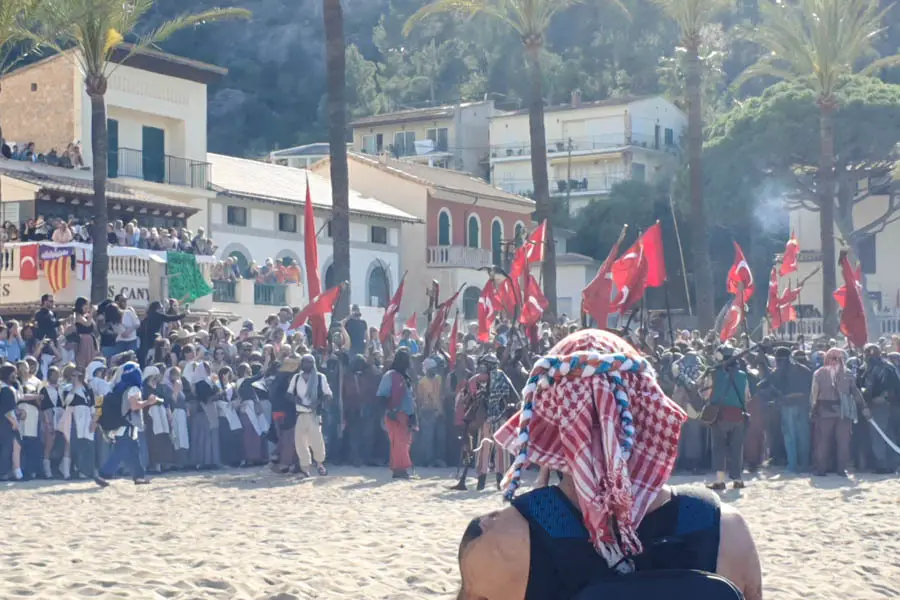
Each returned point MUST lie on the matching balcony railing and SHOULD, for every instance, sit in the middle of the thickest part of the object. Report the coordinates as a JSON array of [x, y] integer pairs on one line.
[[593, 182], [225, 291], [270, 294], [459, 257], [597, 143], [159, 168]]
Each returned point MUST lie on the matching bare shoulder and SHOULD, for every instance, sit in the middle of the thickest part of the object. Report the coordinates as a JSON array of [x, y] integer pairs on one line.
[[738, 558], [494, 565]]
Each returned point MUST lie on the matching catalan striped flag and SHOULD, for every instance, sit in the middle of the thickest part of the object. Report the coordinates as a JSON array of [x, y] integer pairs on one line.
[[58, 272]]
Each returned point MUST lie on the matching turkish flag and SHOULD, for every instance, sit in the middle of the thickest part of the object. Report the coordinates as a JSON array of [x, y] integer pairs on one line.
[[488, 306], [596, 297], [536, 245], [732, 322], [318, 308], [630, 276], [791, 252], [840, 294], [28, 266], [440, 318], [739, 275], [412, 322], [853, 317], [390, 313], [535, 302], [773, 306], [454, 332], [508, 294], [314, 281], [786, 309], [653, 251]]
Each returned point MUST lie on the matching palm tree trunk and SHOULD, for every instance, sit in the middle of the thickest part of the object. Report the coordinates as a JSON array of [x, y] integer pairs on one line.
[[825, 191], [703, 284], [336, 63], [539, 175], [99, 150]]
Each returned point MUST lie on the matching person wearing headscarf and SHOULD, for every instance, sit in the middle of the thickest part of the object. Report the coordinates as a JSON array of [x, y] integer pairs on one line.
[[248, 412], [309, 390], [592, 409], [729, 394], [431, 412], [205, 452], [76, 424], [157, 422], [836, 405], [686, 372], [171, 390], [495, 393], [359, 388], [396, 392], [227, 403], [51, 414]]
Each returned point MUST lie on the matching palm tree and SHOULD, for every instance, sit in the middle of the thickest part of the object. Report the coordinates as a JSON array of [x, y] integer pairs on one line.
[[15, 19], [336, 65], [530, 19], [95, 28], [692, 16], [818, 43]]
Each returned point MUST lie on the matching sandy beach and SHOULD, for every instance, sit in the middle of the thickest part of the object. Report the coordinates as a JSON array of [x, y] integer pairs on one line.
[[355, 535]]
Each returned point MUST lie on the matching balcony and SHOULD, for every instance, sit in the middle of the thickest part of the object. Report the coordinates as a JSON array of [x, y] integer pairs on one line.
[[172, 170], [270, 294], [585, 145], [225, 291], [592, 183], [460, 257]]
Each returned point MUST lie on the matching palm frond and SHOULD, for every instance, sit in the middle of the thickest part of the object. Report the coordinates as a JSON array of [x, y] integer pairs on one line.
[[465, 8], [169, 28], [886, 62]]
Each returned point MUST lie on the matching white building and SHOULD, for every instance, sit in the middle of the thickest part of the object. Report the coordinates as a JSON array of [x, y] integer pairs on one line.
[[258, 214], [591, 146], [300, 157]]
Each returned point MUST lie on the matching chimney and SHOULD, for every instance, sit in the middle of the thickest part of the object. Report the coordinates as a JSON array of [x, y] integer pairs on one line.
[[576, 97]]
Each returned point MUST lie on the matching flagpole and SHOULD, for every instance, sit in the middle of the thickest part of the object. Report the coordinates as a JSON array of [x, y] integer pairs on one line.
[[668, 311], [743, 315], [687, 290]]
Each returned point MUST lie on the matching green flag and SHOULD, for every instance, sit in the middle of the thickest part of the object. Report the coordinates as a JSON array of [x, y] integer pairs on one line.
[[186, 282]]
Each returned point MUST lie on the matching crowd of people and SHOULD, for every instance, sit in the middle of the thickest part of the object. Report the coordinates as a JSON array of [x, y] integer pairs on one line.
[[280, 270], [119, 233], [265, 395], [69, 159]]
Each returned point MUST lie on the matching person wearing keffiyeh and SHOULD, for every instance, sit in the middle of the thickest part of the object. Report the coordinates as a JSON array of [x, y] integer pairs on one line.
[[593, 410]]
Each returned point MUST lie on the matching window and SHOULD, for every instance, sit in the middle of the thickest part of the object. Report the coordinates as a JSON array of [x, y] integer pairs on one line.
[[638, 172], [153, 155], [377, 288], [112, 130], [470, 303], [474, 237], [497, 242], [379, 235], [405, 143], [287, 222], [867, 255], [444, 228], [670, 137], [237, 215], [440, 137], [368, 145]]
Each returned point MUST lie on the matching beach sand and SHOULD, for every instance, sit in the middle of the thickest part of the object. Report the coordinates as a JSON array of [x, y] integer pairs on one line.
[[357, 535]]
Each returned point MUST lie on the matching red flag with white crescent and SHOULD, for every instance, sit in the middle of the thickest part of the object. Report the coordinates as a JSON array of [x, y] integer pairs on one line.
[[773, 306], [791, 252], [390, 313], [318, 307], [732, 322], [487, 310], [739, 275], [28, 262], [535, 303]]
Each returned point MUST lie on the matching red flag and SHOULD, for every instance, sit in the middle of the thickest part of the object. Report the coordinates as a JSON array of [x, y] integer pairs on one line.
[[595, 298], [853, 317], [840, 294], [318, 308], [412, 322], [537, 242], [791, 252], [314, 281], [390, 313], [440, 319], [786, 308], [454, 332], [740, 275], [773, 305], [487, 310], [732, 321], [630, 276], [535, 302], [653, 251], [28, 257], [508, 294]]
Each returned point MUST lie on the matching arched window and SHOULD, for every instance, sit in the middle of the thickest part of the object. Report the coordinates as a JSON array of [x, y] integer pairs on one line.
[[497, 242], [445, 228], [474, 233], [377, 292], [470, 303], [242, 261], [329, 278], [520, 233]]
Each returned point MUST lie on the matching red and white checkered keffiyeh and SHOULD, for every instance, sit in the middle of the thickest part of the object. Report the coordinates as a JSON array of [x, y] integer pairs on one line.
[[575, 425]]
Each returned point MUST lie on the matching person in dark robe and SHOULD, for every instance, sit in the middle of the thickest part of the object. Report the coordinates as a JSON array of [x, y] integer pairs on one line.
[[880, 385], [249, 414], [360, 386], [151, 326], [157, 422]]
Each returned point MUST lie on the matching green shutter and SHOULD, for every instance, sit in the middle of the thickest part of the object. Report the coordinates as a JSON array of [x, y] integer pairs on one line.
[[154, 154], [112, 154]]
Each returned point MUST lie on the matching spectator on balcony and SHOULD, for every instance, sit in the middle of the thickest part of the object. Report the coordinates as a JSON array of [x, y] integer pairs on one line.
[[62, 234], [10, 232], [132, 235], [119, 231], [74, 154], [291, 271], [199, 242], [5, 150], [253, 271]]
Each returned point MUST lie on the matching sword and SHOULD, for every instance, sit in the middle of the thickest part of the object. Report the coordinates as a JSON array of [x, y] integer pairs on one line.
[[884, 436]]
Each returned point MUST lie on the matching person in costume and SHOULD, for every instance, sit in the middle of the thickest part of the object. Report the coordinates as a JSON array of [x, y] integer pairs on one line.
[[593, 409]]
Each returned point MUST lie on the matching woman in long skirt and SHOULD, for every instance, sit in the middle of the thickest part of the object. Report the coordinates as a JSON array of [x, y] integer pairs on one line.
[[171, 389], [396, 391], [157, 424], [51, 415], [76, 424], [231, 441], [249, 413], [204, 428], [86, 348]]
